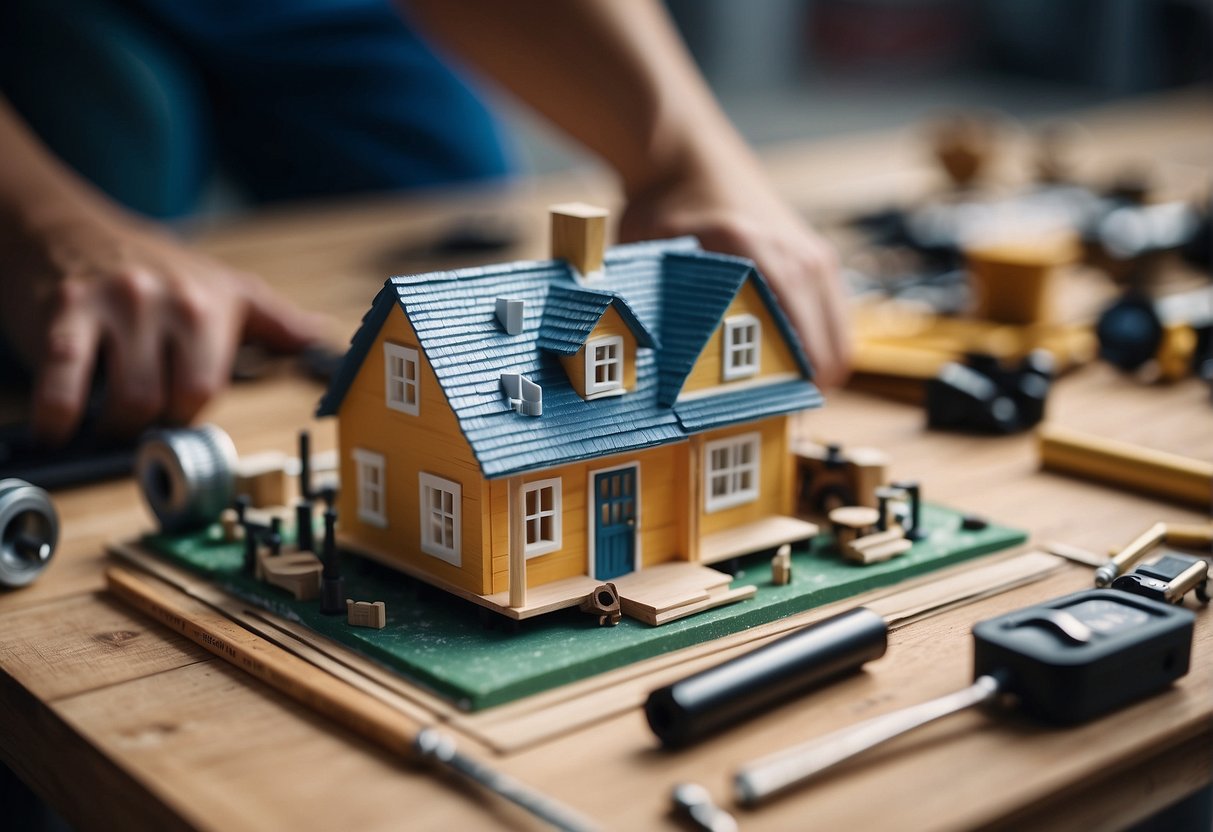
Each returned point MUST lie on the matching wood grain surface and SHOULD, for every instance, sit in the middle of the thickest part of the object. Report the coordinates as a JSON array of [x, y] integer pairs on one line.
[[121, 723]]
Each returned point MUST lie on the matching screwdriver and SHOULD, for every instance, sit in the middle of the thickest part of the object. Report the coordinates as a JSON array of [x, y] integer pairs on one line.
[[1064, 661]]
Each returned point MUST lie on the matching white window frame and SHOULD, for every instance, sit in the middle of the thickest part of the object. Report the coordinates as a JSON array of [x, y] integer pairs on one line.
[[408, 357], [736, 326], [366, 462], [732, 471], [592, 386], [541, 546], [427, 485]]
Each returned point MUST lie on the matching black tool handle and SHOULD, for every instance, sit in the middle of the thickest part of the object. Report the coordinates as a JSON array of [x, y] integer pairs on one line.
[[724, 695]]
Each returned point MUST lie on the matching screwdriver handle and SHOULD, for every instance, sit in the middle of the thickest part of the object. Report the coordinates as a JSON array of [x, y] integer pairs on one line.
[[775, 773]]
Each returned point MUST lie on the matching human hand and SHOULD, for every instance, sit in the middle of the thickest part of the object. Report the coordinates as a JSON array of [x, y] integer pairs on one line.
[[167, 321], [745, 217]]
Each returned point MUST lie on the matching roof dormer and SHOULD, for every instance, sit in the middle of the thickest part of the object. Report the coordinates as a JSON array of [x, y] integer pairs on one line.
[[595, 334]]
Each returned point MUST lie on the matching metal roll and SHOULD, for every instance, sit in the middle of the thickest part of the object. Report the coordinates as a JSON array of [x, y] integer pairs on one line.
[[29, 532], [187, 475]]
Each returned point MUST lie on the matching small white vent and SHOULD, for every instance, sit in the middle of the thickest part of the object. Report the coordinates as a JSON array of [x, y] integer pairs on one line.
[[524, 396], [509, 315]]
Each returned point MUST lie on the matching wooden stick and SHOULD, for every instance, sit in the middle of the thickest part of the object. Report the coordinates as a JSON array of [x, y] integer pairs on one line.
[[1190, 535], [315, 689], [1141, 546], [1153, 472]]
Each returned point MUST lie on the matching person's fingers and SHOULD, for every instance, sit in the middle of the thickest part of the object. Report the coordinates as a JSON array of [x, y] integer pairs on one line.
[[65, 370], [136, 340], [203, 343], [275, 322]]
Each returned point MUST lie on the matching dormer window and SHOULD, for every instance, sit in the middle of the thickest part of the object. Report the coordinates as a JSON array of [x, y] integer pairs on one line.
[[604, 366], [742, 340], [402, 390]]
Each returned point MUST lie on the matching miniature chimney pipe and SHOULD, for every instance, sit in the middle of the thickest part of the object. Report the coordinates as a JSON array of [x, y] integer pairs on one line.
[[579, 236]]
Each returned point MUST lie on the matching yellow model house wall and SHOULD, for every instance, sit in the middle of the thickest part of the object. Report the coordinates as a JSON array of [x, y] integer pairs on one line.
[[775, 358], [775, 476], [610, 324], [663, 515], [430, 441]]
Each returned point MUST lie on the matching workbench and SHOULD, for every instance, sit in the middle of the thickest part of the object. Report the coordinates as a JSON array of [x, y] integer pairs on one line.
[[120, 724]]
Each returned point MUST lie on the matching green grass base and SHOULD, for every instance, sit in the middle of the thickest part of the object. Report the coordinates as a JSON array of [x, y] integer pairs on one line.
[[445, 644]]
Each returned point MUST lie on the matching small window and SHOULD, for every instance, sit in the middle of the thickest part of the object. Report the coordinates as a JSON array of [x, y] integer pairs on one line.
[[402, 388], [730, 471], [541, 516], [742, 340], [604, 365], [372, 494], [441, 518]]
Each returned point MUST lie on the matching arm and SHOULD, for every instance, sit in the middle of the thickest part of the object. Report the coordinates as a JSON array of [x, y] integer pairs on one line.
[[79, 273], [616, 77]]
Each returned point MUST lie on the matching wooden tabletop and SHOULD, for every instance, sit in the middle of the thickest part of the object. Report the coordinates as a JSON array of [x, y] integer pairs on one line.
[[119, 723]]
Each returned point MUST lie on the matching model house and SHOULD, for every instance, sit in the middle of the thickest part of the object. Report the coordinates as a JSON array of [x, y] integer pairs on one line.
[[519, 434]]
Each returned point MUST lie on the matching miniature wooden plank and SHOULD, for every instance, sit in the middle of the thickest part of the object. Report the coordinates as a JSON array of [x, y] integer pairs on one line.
[[1164, 475], [647, 592], [732, 596], [768, 533]]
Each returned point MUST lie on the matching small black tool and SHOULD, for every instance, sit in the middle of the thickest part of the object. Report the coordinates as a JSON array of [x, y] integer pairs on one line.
[[1065, 661], [1168, 579], [723, 695]]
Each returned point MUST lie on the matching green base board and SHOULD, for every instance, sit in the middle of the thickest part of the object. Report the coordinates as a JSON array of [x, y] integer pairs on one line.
[[478, 660]]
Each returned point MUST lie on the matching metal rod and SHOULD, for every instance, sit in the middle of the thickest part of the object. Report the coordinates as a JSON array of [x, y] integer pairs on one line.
[[771, 775]]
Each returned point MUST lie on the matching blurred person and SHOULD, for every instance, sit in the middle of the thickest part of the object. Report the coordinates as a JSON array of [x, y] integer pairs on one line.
[[116, 110]]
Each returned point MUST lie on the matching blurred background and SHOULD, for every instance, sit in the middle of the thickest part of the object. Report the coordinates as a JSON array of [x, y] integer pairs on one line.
[[796, 69]]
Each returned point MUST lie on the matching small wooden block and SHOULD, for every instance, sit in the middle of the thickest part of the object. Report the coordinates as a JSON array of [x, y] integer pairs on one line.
[[263, 479], [298, 573], [579, 236], [781, 566], [232, 530], [366, 613], [1013, 282], [878, 547]]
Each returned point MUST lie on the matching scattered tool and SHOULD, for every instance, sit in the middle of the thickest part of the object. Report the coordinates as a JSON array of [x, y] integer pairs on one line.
[[1141, 546], [985, 396], [1189, 535], [1159, 474], [359, 712], [1063, 661], [720, 696], [1168, 579], [29, 532], [693, 802]]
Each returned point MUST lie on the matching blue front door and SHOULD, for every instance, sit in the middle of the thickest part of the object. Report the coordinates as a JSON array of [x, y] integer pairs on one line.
[[614, 523]]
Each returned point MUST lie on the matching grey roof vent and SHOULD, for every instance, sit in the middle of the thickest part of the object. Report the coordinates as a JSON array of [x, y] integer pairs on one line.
[[509, 315], [524, 396]]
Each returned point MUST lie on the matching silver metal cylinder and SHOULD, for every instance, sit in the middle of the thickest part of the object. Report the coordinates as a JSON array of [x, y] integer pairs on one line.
[[29, 532], [187, 475]]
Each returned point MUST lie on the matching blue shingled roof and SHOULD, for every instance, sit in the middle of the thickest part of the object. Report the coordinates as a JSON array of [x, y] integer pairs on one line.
[[572, 312], [670, 292], [707, 412]]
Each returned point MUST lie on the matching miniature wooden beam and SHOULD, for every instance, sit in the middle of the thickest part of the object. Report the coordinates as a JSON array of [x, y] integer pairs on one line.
[[517, 544], [1156, 473]]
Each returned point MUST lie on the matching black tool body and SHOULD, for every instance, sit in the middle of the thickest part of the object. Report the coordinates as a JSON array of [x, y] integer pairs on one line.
[[721, 696], [1080, 656]]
